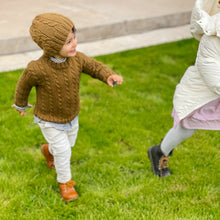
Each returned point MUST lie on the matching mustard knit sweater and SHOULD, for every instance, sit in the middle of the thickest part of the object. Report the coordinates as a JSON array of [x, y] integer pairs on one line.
[[57, 85]]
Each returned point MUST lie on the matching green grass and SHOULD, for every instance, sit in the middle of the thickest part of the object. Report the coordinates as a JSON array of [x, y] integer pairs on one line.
[[109, 162]]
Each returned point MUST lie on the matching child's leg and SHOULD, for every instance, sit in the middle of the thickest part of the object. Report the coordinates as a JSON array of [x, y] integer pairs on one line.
[[72, 134], [174, 137], [59, 147], [60, 143], [158, 154]]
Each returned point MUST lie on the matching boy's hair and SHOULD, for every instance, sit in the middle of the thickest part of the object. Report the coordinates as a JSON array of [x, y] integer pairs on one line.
[[74, 29], [50, 30]]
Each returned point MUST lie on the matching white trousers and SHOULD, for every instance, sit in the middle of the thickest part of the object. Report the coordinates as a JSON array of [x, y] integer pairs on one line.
[[60, 143]]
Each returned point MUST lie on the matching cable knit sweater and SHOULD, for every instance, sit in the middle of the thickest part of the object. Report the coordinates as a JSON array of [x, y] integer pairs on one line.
[[57, 85]]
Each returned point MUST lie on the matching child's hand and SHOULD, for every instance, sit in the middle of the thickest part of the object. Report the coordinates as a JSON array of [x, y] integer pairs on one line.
[[21, 112], [114, 79]]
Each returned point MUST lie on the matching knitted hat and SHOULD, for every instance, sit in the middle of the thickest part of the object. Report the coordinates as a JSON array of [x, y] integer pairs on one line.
[[50, 31]]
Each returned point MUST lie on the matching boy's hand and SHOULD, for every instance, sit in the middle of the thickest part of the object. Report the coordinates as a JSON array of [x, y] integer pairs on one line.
[[21, 112], [114, 79]]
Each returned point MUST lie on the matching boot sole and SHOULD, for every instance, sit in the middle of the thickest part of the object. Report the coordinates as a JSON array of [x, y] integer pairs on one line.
[[71, 199]]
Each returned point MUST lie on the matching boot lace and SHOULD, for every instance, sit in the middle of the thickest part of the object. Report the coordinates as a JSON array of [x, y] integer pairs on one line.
[[71, 184], [163, 164]]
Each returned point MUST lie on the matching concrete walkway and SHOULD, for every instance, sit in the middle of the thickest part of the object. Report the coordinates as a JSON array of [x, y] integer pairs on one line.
[[103, 26]]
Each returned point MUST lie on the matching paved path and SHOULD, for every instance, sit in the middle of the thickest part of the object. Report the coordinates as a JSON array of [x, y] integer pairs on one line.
[[103, 26]]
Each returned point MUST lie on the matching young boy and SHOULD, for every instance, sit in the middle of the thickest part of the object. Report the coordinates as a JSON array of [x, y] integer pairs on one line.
[[56, 77]]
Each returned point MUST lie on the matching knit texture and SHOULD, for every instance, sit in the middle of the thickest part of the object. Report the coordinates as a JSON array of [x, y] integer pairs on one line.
[[57, 85], [50, 31]]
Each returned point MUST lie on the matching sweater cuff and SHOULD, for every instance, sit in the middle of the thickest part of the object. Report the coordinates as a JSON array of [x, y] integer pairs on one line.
[[21, 108]]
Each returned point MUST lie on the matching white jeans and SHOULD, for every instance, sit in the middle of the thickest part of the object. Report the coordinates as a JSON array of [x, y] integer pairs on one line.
[[60, 143]]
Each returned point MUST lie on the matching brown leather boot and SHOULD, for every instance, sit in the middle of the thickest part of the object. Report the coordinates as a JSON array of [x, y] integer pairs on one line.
[[68, 191], [48, 156]]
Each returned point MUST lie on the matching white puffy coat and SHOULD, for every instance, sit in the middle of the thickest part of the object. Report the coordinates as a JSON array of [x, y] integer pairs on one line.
[[201, 83]]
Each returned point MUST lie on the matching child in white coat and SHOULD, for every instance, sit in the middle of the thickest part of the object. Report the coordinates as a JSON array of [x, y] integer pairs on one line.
[[196, 101]]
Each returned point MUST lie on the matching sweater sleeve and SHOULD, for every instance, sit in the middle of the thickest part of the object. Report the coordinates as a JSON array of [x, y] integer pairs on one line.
[[208, 62], [95, 68], [26, 81]]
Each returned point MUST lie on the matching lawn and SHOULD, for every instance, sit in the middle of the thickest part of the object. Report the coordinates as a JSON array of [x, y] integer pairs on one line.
[[109, 161]]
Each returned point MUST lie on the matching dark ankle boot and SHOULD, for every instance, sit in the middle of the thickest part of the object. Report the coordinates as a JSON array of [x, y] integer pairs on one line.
[[159, 162], [68, 191], [48, 156]]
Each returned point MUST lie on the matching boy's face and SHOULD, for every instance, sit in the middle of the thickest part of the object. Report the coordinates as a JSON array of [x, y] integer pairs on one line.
[[69, 48]]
